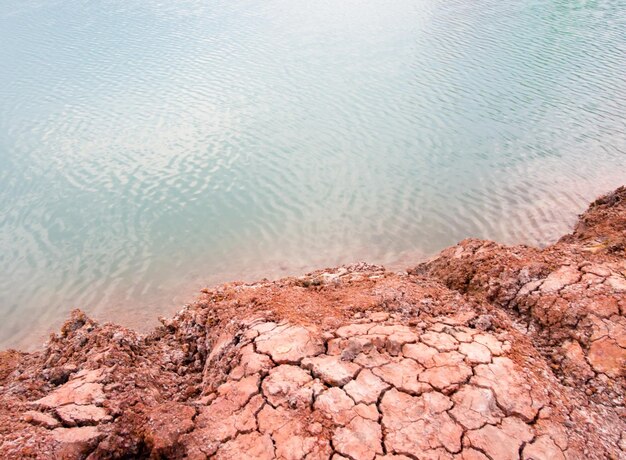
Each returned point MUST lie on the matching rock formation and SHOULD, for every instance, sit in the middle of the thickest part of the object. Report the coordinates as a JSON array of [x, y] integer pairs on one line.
[[484, 352]]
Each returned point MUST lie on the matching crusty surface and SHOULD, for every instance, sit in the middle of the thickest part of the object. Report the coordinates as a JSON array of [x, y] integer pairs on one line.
[[484, 352]]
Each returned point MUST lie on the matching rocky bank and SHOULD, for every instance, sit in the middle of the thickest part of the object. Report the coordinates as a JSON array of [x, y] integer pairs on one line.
[[484, 352]]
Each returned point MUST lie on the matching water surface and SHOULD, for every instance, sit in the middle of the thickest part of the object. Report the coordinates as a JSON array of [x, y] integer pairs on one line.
[[149, 148]]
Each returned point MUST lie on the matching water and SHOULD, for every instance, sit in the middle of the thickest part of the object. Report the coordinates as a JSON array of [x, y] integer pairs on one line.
[[150, 148]]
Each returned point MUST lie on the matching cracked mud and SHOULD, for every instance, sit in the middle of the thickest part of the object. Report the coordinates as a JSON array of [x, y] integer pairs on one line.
[[483, 352]]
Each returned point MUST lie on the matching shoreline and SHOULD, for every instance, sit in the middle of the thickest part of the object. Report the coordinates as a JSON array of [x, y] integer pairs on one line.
[[140, 312], [535, 336]]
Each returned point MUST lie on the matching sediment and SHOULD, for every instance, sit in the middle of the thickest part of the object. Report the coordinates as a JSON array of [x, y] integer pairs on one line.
[[485, 351]]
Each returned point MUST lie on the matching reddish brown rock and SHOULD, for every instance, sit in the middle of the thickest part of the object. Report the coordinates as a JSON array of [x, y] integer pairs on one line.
[[475, 352], [251, 445], [288, 385], [606, 356], [511, 387], [421, 353], [41, 419], [500, 442], [366, 388], [166, 424], [73, 414], [292, 440], [485, 351], [440, 341], [251, 363], [445, 376], [360, 439], [352, 330], [76, 442], [420, 424], [403, 375], [474, 407], [560, 278], [81, 390], [331, 369], [542, 447], [335, 405], [289, 344]]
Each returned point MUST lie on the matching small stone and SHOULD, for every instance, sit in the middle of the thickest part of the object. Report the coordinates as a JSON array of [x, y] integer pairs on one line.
[[289, 344], [359, 440], [509, 386], [73, 414], [559, 279], [476, 353], [474, 407], [335, 405], [403, 375], [418, 424], [495, 442], [331, 369], [240, 392], [379, 316], [439, 340], [420, 352], [444, 376], [76, 442], [77, 391], [494, 345], [166, 423], [366, 388], [251, 445], [41, 419], [542, 447], [606, 356], [287, 385], [353, 329]]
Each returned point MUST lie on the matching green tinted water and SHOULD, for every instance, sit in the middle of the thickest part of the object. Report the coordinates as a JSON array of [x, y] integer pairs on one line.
[[149, 148]]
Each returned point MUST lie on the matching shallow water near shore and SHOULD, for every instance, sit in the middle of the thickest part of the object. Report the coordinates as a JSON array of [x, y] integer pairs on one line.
[[151, 148]]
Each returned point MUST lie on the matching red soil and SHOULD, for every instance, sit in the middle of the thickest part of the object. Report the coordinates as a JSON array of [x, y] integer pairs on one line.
[[485, 351]]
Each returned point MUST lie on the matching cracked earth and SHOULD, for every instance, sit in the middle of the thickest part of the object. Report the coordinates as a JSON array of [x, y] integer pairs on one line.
[[483, 352]]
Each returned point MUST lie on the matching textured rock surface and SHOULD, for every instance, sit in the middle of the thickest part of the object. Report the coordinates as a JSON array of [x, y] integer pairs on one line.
[[484, 352]]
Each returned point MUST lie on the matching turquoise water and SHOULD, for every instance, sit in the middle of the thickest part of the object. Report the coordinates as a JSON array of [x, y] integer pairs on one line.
[[150, 148]]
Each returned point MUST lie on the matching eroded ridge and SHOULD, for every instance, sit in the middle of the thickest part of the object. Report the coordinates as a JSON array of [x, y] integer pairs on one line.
[[570, 298], [485, 352], [371, 388]]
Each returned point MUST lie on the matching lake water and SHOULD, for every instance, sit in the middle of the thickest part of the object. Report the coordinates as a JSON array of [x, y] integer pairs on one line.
[[150, 148]]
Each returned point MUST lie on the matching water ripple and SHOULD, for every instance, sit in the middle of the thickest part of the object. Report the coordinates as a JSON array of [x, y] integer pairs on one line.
[[149, 148]]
